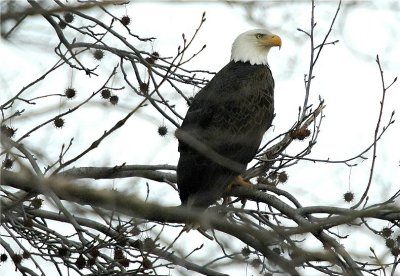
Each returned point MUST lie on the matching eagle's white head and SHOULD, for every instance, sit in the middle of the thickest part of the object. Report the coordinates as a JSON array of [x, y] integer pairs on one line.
[[253, 46]]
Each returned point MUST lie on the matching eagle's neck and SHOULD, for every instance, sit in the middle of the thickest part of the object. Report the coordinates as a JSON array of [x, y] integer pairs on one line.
[[246, 52]]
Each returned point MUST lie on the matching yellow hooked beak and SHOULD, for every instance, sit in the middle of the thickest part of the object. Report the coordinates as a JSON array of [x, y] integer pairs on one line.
[[271, 41]]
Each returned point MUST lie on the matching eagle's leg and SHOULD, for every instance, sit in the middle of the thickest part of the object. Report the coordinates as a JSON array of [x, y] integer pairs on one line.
[[238, 181], [241, 182]]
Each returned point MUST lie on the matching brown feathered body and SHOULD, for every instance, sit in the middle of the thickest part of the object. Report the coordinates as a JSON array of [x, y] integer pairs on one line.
[[229, 116]]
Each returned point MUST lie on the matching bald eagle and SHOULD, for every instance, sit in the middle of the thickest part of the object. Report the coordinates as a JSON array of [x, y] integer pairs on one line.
[[226, 121]]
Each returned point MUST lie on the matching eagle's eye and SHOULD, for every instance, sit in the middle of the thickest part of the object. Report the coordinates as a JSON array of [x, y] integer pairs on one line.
[[259, 36]]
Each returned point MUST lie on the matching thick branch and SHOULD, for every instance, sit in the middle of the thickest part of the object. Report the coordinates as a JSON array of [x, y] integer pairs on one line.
[[145, 171]]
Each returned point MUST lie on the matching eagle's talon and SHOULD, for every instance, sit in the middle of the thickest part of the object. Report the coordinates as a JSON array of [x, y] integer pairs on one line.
[[239, 181]]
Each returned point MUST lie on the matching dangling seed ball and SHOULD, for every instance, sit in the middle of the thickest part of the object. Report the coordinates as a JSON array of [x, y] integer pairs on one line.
[[162, 131], [386, 232], [114, 100], [245, 252], [28, 222], [300, 133], [63, 252], [282, 177], [125, 20], [155, 55], [390, 243], [26, 255], [62, 24], [8, 131], [105, 94], [273, 176], [80, 262], [7, 163], [58, 122], [98, 54], [255, 263], [395, 251], [70, 92], [68, 17], [144, 87], [11, 131], [348, 197], [150, 60], [3, 257], [36, 203]]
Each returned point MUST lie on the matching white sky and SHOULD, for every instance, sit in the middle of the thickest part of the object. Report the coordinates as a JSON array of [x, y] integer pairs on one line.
[[350, 86]]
